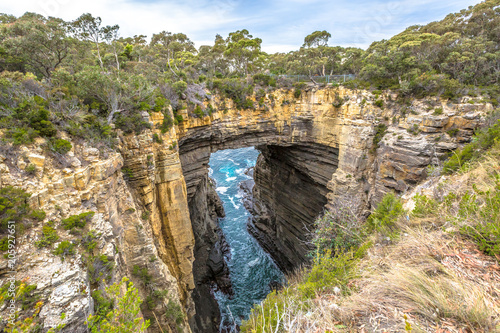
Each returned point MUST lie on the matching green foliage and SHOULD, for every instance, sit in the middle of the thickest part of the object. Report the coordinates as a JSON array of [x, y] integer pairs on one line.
[[145, 215], [380, 131], [180, 87], [124, 317], [297, 93], [424, 206], [379, 103], [13, 206], [156, 138], [132, 122], [128, 172], [77, 221], [167, 123], [142, 273], [174, 314], [64, 249], [38, 214], [102, 303], [4, 244], [384, 217], [481, 141], [198, 112], [338, 101], [413, 130], [89, 241], [438, 111], [24, 293], [329, 272], [264, 80], [100, 268], [486, 231], [49, 236], [30, 169], [338, 230], [21, 135], [61, 146]]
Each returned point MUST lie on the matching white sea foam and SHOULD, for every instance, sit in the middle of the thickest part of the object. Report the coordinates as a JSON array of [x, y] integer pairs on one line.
[[234, 204], [222, 189], [230, 179]]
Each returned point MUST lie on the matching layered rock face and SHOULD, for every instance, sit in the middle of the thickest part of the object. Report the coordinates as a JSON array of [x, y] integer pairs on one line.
[[289, 193], [157, 210], [161, 242], [319, 149]]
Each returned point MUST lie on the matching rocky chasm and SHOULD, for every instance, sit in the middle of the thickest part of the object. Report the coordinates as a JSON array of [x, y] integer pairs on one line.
[[162, 214]]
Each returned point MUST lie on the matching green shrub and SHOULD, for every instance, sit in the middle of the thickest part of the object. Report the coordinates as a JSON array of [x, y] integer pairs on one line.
[[4, 244], [297, 93], [424, 206], [174, 314], [452, 132], [100, 268], [198, 112], [156, 138], [102, 303], [384, 217], [481, 141], [338, 101], [128, 172], [485, 231], [89, 241], [61, 146], [145, 215], [30, 169], [167, 124], [264, 80], [438, 111], [380, 131], [379, 103], [329, 272], [124, 317], [13, 206], [49, 236], [131, 122], [77, 221], [21, 136], [24, 293], [143, 274], [179, 87], [38, 214], [64, 249], [338, 230], [413, 130]]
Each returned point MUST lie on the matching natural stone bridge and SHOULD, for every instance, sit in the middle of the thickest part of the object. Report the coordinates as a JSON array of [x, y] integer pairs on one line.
[[312, 155]]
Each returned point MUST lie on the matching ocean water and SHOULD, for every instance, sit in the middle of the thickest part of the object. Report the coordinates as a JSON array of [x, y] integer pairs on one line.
[[251, 269]]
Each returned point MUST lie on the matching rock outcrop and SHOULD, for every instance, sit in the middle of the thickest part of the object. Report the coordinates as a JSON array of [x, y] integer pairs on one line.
[[319, 148], [156, 209]]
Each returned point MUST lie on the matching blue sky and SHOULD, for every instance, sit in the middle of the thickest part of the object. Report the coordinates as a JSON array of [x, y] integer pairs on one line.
[[282, 25]]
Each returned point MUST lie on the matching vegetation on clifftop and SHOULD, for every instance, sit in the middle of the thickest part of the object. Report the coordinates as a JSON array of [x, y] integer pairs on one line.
[[79, 77], [420, 267]]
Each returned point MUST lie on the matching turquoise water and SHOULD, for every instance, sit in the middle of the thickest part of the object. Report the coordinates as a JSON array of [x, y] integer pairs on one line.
[[251, 269]]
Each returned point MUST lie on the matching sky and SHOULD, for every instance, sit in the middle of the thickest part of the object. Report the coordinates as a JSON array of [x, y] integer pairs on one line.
[[281, 24]]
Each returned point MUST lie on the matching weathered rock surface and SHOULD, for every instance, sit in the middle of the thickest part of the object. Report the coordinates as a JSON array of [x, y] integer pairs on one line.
[[156, 209]]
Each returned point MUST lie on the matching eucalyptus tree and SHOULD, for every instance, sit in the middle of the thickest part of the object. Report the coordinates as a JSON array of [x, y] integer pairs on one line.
[[40, 44]]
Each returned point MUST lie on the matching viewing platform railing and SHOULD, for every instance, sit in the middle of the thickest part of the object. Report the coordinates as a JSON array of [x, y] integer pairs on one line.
[[318, 79]]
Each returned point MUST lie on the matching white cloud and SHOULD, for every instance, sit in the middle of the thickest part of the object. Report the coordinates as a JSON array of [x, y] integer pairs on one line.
[[282, 24]]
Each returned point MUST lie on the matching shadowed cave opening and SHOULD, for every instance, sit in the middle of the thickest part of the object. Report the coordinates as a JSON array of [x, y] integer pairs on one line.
[[289, 193]]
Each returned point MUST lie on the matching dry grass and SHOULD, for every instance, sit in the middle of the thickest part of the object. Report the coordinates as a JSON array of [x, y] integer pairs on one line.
[[431, 279], [423, 278]]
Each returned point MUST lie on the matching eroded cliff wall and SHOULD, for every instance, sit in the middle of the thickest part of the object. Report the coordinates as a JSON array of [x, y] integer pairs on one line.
[[156, 208]]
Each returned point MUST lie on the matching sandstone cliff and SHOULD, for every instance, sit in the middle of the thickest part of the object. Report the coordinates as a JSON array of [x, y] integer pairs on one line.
[[161, 213]]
